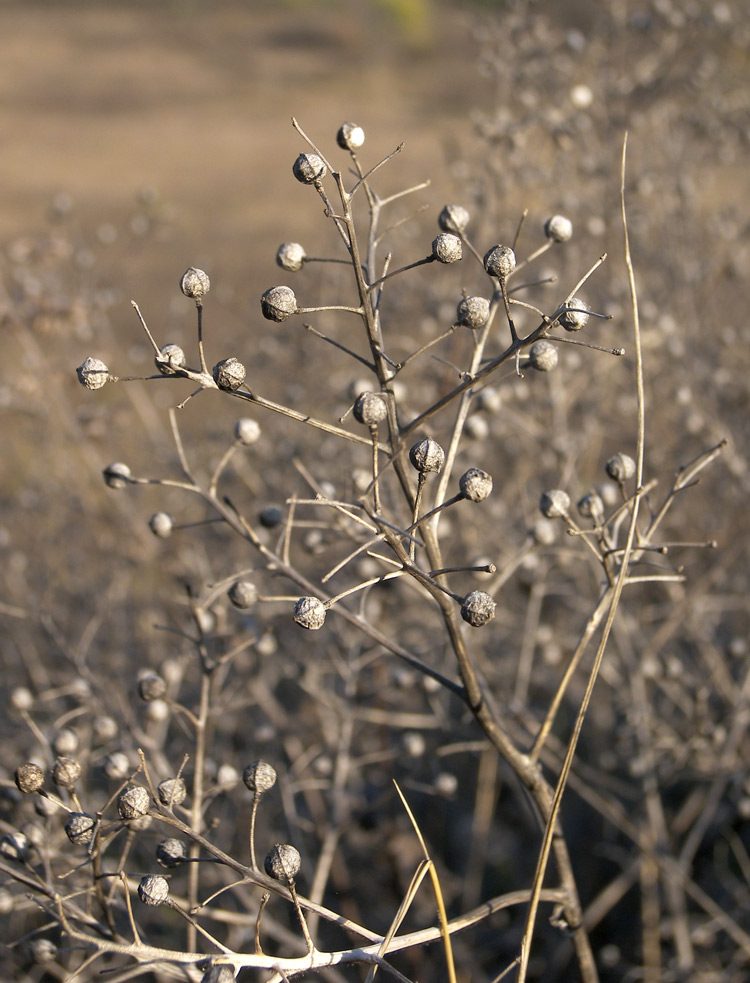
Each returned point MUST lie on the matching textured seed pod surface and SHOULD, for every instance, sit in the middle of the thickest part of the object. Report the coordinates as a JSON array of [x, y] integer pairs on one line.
[[283, 862], [500, 261], [475, 484], [195, 283], [310, 613], [278, 303], [309, 168], [66, 772], [575, 319], [243, 594], [446, 248], [93, 373], [153, 889], [370, 408], [478, 608], [172, 792], [259, 777], [170, 852], [229, 374], [555, 503], [473, 312], [80, 828], [133, 802], [543, 356], [29, 778], [427, 456], [454, 218], [290, 256]]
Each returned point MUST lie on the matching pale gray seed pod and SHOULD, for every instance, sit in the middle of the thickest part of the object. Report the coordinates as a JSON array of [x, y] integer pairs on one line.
[[105, 728], [500, 261], [544, 532], [620, 468], [80, 828], [309, 168], [42, 951], [477, 608], [278, 303], [14, 846], [475, 485], [133, 802], [243, 594], [66, 772], [447, 248], [454, 218], [172, 792], [543, 356], [153, 889], [310, 613], [247, 431], [446, 784], [259, 777], [195, 283], [427, 456], [591, 507], [283, 862], [350, 136], [370, 408], [93, 373], [555, 503], [29, 778], [291, 256], [151, 686], [116, 475], [46, 808], [22, 698], [574, 320], [170, 852], [558, 228], [229, 374], [171, 359], [117, 766], [65, 742], [161, 524], [218, 974], [473, 312]]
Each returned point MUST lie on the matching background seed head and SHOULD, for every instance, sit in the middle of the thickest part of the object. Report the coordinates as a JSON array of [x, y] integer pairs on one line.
[[171, 358], [247, 431], [454, 218], [544, 532], [543, 356], [370, 408], [171, 792], [229, 374], [133, 802], [500, 261], [93, 373], [151, 686], [42, 951], [620, 468], [574, 320], [310, 613], [117, 766], [555, 503], [427, 456], [243, 594], [161, 524], [446, 248], [350, 136], [283, 862], [66, 772], [475, 484], [591, 507], [558, 228], [14, 846], [195, 283], [478, 608], [473, 312], [65, 742], [218, 974], [170, 852], [80, 828], [291, 256], [278, 303], [116, 475], [259, 777], [309, 168], [153, 889]]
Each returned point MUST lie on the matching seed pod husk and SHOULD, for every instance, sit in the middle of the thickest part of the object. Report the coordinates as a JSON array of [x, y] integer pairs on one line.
[[195, 283], [309, 168], [80, 828], [427, 456], [93, 373], [478, 608], [370, 408], [558, 228], [500, 261], [229, 374], [473, 312], [259, 777], [543, 356], [278, 303], [29, 778], [133, 802], [454, 218], [283, 862], [153, 889], [555, 503], [475, 485], [310, 613]]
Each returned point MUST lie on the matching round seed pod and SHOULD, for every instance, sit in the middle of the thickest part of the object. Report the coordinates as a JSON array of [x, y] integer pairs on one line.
[[93, 373], [309, 168], [591, 507], [116, 475], [558, 228], [500, 261], [291, 256], [478, 608], [80, 828], [475, 485], [271, 516], [171, 792], [117, 766], [133, 802], [153, 889], [105, 728], [370, 408], [427, 456], [66, 772], [14, 846], [555, 503], [454, 218], [310, 613], [283, 862], [446, 248], [170, 360], [65, 742], [574, 320], [161, 524], [22, 698], [243, 594], [278, 303], [218, 974], [543, 356], [350, 136], [195, 283], [259, 777], [170, 852], [544, 532], [151, 686], [29, 778], [229, 374], [620, 468], [246, 431], [42, 951], [473, 312]]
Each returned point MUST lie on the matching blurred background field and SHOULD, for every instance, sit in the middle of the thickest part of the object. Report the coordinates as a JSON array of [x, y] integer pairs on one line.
[[139, 139]]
